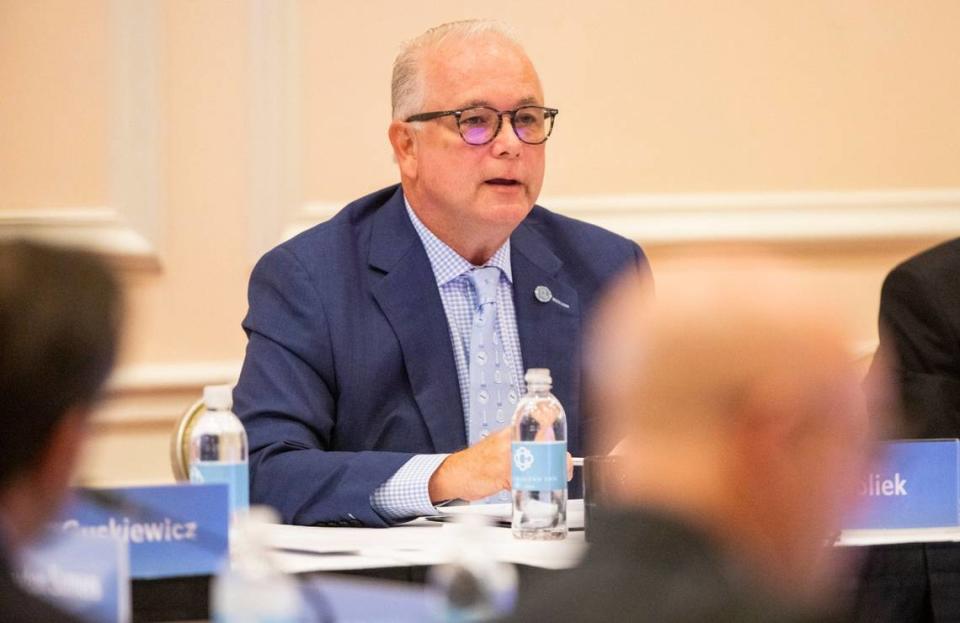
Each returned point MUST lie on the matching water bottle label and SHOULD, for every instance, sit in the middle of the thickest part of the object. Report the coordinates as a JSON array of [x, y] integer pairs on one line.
[[539, 465], [235, 475]]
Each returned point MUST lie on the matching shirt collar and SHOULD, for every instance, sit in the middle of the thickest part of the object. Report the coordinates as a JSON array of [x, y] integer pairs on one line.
[[447, 264]]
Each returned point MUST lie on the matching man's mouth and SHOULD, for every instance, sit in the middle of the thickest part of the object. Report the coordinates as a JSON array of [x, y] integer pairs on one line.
[[502, 181]]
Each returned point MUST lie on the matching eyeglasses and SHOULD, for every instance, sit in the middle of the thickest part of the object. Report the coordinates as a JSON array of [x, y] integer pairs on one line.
[[480, 125]]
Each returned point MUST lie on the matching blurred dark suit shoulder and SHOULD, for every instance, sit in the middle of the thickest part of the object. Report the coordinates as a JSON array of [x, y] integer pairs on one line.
[[920, 333], [19, 606], [646, 566]]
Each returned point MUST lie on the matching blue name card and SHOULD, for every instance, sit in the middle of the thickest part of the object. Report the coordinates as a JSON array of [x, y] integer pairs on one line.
[[86, 575], [173, 530], [916, 486]]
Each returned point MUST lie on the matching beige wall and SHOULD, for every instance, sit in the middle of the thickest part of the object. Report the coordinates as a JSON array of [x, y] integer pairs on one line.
[[668, 96], [53, 109], [186, 137]]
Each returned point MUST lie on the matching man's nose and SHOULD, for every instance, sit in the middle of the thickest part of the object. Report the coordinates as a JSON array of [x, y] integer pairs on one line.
[[506, 144]]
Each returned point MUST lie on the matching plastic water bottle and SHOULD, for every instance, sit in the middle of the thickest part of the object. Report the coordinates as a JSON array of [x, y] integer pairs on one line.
[[249, 587], [218, 448], [539, 457], [472, 585]]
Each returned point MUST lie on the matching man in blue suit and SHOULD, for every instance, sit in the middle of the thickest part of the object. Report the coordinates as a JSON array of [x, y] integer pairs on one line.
[[387, 346]]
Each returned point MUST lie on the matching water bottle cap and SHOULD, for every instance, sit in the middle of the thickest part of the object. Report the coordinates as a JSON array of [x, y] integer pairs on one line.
[[538, 376], [218, 397]]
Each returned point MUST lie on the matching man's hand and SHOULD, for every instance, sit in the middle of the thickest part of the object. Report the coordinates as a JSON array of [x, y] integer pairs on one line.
[[477, 472]]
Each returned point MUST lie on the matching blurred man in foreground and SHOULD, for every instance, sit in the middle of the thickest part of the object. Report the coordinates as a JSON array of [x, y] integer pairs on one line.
[[745, 438], [59, 322]]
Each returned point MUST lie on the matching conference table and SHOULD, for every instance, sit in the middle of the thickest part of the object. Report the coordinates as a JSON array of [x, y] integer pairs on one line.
[[355, 563], [915, 572], [901, 575], [423, 542]]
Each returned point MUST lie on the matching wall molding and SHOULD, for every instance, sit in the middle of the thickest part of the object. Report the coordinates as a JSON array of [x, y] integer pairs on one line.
[[774, 217], [156, 394], [129, 227], [173, 376], [98, 228], [275, 119], [135, 157]]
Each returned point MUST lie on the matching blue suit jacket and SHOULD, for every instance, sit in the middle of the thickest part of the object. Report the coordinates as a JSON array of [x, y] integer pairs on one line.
[[349, 369]]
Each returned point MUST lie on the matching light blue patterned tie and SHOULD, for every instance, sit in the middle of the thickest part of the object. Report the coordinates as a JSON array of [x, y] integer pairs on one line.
[[493, 394]]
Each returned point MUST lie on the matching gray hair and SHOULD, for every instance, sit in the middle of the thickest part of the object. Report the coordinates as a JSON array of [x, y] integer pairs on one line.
[[407, 86]]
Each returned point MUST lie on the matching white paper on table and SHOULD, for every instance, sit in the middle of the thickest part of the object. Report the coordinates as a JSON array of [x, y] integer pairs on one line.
[[343, 540], [860, 538], [504, 512]]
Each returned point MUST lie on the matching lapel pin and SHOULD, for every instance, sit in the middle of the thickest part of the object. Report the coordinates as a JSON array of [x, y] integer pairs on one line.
[[544, 295]]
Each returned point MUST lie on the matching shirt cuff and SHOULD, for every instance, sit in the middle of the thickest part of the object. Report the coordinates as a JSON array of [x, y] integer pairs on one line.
[[406, 494]]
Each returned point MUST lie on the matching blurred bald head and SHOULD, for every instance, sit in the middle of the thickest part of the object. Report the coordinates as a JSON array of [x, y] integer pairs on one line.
[[739, 404], [710, 340]]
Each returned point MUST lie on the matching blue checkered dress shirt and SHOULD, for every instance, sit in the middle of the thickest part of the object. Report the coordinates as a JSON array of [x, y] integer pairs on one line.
[[405, 494]]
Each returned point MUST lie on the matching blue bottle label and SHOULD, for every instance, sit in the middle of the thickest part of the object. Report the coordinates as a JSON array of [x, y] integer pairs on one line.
[[539, 465], [235, 475]]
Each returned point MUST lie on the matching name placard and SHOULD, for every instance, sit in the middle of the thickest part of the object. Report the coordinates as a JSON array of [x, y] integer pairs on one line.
[[172, 530], [86, 575], [917, 486]]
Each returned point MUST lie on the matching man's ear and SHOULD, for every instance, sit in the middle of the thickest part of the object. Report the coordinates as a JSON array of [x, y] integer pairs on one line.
[[37, 494], [59, 458], [404, 142]]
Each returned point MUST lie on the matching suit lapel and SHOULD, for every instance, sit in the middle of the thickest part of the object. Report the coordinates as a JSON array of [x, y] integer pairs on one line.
[[408, 296], [549, 332]]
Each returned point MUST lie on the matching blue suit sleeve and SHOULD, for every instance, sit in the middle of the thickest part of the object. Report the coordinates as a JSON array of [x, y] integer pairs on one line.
[[287, 400]]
